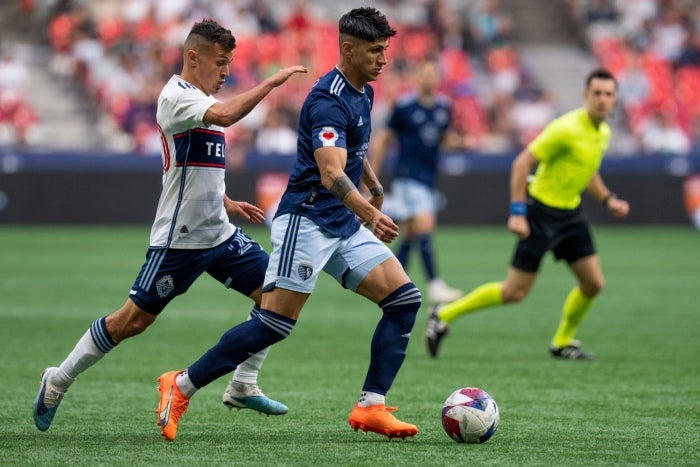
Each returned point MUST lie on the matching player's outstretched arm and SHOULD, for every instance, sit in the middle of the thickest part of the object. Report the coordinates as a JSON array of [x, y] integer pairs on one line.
[[243, 209], [228, 112]]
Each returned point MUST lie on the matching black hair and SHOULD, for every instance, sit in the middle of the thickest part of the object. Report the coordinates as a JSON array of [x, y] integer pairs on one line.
[[213, 32], [365, 23], [600, 73]]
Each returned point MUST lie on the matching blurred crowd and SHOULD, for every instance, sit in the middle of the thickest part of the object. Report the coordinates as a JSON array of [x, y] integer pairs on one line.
[[16, 116], [653, 47], [121, 52]]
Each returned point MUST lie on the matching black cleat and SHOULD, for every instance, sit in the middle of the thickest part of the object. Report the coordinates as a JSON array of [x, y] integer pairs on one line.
[[434, 331], [571, 352]]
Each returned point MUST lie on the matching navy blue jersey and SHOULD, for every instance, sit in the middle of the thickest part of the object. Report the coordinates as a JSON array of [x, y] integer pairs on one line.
[[419, 131], [334, 114]]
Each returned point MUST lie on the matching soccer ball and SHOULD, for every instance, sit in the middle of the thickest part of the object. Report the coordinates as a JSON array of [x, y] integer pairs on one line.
[[470, 415]]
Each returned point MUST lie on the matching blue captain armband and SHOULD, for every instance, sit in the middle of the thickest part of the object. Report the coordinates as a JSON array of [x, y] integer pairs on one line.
[[518, 208]]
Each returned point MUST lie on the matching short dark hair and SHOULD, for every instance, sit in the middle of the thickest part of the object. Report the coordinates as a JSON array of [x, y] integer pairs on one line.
[[213, 32], [600, 73], [365, 23]]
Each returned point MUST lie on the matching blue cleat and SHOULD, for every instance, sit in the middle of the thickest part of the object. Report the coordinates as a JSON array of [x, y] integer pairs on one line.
[[249, 396], [46, 401]]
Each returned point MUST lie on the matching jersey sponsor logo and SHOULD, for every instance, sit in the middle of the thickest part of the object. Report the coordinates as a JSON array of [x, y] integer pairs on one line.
[[328, 136], [337, 85], [200, 148], [305, 271], [165, 285]]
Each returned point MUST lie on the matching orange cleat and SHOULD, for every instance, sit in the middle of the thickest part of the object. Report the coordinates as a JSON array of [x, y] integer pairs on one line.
[[378, 419], [171, 406]]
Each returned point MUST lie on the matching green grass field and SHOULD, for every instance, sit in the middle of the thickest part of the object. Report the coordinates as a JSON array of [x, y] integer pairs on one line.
[[639, 403]]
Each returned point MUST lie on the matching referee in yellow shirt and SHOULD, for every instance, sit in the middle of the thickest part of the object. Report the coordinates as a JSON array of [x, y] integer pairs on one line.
[[546, 215]]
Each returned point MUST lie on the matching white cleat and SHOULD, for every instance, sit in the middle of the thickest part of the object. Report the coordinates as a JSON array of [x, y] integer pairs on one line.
[[249, 396], [440, 292]]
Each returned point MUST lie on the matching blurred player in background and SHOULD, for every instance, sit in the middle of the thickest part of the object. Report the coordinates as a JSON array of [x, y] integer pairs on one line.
[[420, 122], [546, 215], [318, 227], [191, 233]]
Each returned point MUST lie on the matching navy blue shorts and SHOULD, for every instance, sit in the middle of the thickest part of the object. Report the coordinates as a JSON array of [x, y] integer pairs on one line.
[[563, 231], [239, 263]]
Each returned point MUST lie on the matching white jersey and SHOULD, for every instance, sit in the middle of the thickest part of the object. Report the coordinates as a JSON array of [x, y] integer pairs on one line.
[[191, 212]]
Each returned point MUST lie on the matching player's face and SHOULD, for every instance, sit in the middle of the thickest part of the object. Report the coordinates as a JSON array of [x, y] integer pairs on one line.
[[428, 77], [369, 58], [600, 98], [213, 66]]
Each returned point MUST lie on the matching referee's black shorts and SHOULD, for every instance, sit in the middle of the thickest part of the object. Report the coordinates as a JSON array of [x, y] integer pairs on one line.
[[564, 231]]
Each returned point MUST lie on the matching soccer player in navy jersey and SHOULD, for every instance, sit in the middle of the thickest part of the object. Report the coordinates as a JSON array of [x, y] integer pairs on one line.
[[420, 122], [324, 223], [191, 233]]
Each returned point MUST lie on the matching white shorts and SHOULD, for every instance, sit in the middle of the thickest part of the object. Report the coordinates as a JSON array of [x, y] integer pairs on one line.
[[301, 249], [408, 198]]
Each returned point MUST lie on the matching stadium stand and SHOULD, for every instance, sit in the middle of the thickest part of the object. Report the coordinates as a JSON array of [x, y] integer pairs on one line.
[[654, 49], [116, 54]]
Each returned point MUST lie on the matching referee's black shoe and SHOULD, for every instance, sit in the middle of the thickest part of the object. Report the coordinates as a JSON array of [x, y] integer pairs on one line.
[[434, 331], [571, 352]]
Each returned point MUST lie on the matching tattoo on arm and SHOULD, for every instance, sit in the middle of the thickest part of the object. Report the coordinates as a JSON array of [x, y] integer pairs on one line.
[[377, 191], [341, 187]]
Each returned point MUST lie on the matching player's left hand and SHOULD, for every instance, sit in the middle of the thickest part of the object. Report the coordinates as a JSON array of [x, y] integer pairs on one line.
[[383, 227], [618, 207], [245, 210], [285, 73]]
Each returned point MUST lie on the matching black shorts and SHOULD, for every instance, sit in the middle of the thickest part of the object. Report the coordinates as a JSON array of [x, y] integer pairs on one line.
[[563, 231]]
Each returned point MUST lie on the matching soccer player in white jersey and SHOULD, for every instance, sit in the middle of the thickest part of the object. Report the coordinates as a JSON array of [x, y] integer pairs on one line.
[[316, 228], [191, 233]]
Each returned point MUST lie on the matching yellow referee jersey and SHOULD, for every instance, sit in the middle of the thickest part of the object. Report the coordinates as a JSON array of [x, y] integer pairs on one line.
[[569, 150]]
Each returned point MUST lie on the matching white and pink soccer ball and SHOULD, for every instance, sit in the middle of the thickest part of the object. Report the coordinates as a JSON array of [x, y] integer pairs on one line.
[[470, 415]]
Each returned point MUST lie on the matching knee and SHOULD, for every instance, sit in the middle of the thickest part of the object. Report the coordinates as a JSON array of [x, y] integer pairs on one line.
[[136, 325], [404, 301], [127, 322], [593, 287], [511, 294]]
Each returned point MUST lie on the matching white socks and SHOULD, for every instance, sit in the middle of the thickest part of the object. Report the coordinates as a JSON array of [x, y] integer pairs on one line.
[[184, 384], [247, 372], [83, 356], [370, 398]]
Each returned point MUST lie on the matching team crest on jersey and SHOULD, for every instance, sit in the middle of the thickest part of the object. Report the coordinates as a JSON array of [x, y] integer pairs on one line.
[[164, 286], [305, 270], [328, 136]]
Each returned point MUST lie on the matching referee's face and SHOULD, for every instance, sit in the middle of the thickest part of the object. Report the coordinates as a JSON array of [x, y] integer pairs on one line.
[[600, 98]]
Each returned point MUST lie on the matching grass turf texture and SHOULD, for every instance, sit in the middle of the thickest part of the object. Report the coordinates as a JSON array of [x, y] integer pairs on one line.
[[638, 404]]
